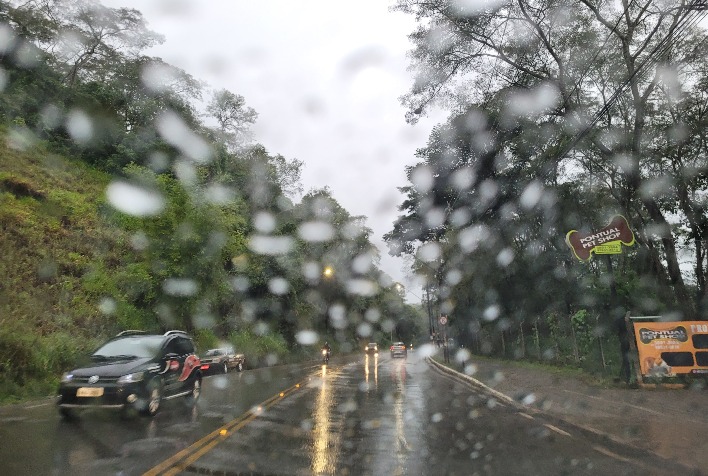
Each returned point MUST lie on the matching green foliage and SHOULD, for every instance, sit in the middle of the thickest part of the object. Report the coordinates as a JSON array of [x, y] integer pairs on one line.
[[205, 339], [78, 270], [29, 364], [583, 334], [259, 349]]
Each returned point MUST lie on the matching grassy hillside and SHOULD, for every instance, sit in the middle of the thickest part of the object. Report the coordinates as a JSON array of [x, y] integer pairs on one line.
[[69, 277], [55, 246]]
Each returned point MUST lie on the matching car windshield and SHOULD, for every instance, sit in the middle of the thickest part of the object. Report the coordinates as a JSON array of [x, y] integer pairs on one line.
[[133, 346], [516, 189]]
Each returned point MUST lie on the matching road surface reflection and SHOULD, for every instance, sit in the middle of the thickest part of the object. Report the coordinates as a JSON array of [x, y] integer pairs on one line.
[[325, 444], [367, 371], [401, 445]]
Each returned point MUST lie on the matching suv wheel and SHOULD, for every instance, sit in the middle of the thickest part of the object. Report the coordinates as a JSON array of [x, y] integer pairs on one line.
[[193, 396], [67, 413], [154, 397]]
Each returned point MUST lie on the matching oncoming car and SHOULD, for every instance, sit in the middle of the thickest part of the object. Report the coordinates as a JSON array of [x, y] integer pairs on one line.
[[372, 348], [222, 360], [398, 349], [134, 370]]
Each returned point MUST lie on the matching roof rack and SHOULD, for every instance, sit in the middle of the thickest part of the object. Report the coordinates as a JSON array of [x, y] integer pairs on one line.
[[169, 333], [130, 332]]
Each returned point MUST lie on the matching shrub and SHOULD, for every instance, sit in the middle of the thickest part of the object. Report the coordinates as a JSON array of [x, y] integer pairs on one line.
[[267, 349], [205, 339]]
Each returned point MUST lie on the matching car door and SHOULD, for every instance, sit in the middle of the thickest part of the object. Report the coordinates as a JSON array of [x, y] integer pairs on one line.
[[173, 362], [189, 362]]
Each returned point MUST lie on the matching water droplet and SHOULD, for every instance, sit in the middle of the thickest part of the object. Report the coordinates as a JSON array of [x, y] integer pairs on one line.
[[134, 199]]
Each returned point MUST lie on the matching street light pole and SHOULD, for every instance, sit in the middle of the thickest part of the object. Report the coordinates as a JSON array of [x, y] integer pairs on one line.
[[328, 272]]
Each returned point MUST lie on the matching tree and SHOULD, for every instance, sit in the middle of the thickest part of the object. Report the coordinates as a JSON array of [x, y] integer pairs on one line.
[[86, 38], [233, 117], [562, 63]]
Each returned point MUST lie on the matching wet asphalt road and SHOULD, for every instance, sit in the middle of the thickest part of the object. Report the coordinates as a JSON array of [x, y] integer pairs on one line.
[[359, 415]]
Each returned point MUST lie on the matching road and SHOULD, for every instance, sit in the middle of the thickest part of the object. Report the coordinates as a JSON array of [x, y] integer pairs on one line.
[[358, 415]]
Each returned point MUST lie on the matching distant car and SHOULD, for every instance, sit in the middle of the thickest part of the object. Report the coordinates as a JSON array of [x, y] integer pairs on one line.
[[222, 360], [372, 348], [134, 370], [398, 349]]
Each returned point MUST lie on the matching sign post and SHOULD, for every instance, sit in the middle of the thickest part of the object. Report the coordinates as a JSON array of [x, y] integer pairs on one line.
[[446, 352]]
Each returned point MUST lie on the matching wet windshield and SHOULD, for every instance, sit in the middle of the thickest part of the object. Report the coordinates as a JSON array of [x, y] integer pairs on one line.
[[510, 196], [135, 347]]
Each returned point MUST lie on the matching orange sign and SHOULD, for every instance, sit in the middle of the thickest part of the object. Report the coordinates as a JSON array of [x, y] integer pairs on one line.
[[668, 349]]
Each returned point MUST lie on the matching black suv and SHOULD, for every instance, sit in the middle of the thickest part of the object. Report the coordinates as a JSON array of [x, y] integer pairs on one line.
[[134, 370]]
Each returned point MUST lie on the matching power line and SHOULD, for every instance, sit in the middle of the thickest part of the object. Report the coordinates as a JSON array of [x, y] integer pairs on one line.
[[659, 50]]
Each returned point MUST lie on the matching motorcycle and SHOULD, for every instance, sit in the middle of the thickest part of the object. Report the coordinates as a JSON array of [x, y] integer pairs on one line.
[[325, 356]]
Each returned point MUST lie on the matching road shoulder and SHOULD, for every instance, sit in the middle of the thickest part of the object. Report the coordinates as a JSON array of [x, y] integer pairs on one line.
[[670, 423]]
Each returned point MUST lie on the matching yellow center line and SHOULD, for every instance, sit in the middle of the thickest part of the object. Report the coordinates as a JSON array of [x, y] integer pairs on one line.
[[189, 455]]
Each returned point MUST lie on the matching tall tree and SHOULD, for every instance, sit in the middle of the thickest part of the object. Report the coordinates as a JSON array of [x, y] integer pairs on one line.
[[585, 69], [87, 38], [233, 117]]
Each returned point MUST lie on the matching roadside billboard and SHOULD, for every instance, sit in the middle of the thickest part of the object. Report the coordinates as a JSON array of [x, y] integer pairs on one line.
[[669, 349], [606, 241]]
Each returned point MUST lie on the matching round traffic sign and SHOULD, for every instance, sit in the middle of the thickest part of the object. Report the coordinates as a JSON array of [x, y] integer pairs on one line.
[[443, 320]]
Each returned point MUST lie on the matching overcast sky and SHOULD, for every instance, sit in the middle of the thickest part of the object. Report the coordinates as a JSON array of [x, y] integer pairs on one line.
[[324, 76]]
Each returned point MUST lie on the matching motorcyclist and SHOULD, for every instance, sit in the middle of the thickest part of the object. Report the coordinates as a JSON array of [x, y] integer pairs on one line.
[[326, 348]]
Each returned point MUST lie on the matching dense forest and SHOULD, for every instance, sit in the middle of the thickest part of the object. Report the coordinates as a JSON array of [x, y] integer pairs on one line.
[[563, 115], [125, 206]]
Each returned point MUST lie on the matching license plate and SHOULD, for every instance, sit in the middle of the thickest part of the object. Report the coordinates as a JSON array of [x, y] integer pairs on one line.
[[89, 392]]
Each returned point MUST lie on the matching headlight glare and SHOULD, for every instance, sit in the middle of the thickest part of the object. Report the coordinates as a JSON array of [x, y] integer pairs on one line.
[[130, 378], [67, 377]]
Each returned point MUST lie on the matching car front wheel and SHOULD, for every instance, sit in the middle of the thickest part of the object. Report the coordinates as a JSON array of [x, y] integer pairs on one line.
[[154, 398]]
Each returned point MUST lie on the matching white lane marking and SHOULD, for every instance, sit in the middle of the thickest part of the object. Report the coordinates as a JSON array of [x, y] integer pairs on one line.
[[497, 398], [614, 455], [526, 415], [37, 406], [556, 429], [648, 410], [611, 454], [502, 397]]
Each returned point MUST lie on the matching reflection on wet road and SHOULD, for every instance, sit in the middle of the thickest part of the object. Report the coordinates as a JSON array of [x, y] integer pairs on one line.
[[377, 415], [359, 415], [325, 445]]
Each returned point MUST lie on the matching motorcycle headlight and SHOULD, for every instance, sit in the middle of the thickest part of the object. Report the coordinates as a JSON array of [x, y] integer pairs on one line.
[[324, 352], [67, 377], [130, 378]]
